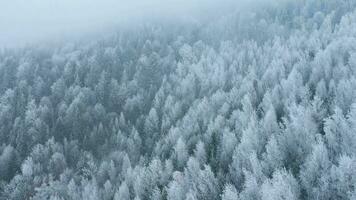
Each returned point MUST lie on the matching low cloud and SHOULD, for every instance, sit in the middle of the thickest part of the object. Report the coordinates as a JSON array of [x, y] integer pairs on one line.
[[29, 21]]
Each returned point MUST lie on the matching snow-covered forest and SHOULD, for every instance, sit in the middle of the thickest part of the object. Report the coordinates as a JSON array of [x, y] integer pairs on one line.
[[258, 104]]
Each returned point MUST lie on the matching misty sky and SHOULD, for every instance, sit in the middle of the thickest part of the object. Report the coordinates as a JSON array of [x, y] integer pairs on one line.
[[28, 21]]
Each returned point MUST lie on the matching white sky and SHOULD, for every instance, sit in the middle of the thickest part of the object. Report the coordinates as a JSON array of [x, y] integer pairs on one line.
[[28, 21]]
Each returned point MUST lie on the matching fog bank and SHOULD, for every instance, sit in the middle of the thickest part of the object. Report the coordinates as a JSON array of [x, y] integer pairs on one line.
[[30, 21]]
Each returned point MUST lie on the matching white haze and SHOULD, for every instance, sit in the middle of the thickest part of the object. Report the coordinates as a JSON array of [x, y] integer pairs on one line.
[[29, 21]]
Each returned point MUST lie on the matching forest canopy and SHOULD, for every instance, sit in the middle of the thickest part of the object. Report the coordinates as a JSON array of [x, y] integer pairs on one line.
[[257, 104]]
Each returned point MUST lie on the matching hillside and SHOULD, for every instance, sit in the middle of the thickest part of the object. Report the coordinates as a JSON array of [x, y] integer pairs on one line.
[[257, 104]]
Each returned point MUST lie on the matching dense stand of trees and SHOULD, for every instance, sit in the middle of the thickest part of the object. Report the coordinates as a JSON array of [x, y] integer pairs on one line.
[[258, 104]]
